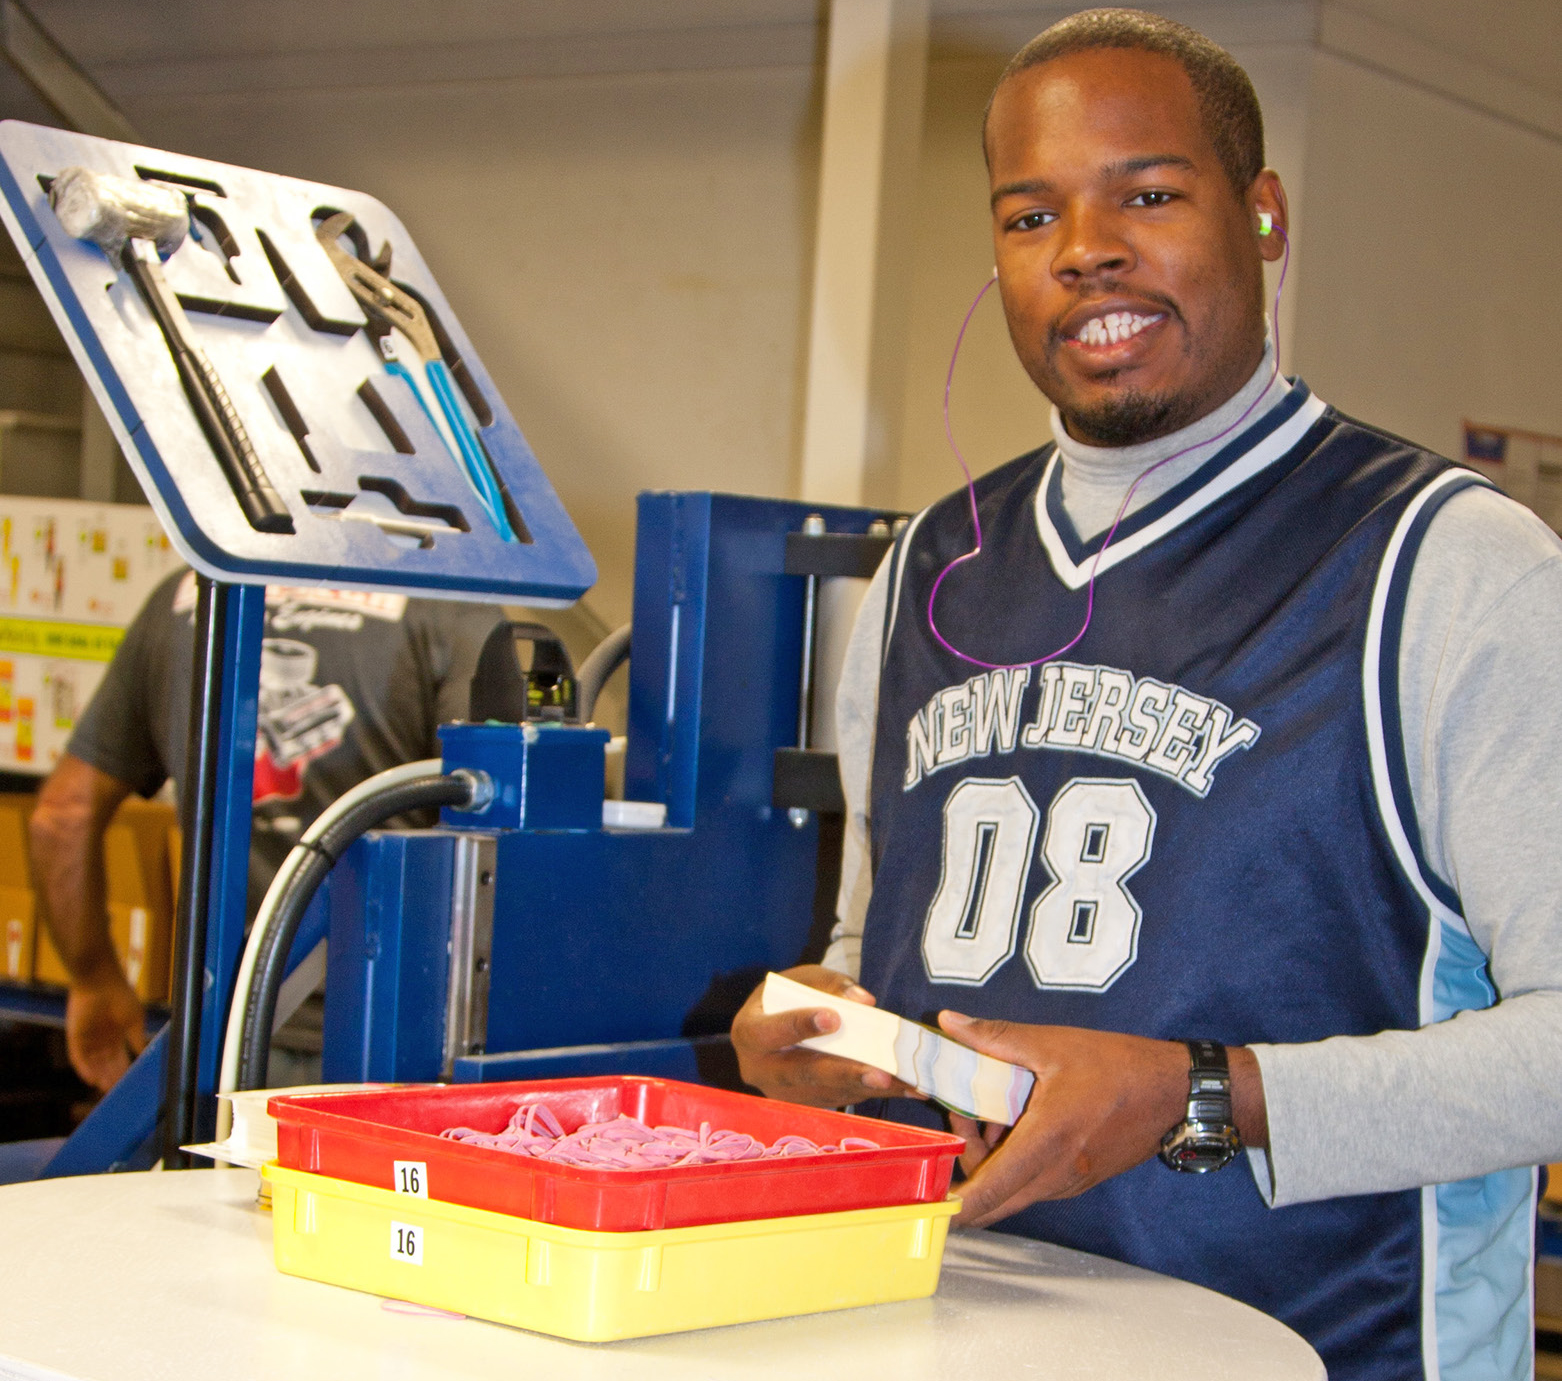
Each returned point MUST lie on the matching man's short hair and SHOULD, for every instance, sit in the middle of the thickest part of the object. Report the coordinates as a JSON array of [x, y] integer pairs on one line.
[[1227, 101]]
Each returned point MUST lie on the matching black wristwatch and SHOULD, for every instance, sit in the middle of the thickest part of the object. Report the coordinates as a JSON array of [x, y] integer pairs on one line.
[[1206, 1139]]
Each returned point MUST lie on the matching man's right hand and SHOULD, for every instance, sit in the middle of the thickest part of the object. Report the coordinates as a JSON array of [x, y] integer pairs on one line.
[[770, 1058], [105, 1027]]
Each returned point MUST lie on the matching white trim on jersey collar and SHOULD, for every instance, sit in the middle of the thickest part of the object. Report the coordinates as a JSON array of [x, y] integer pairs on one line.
[[1265, 453]]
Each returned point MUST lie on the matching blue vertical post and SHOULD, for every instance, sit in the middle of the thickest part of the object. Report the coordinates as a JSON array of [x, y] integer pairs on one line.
[[215, 812], [244, 630]]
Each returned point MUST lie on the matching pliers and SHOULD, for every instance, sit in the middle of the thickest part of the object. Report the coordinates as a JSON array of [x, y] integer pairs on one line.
[[391, 308]]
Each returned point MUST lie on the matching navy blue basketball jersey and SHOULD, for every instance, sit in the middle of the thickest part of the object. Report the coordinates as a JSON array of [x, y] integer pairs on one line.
[[1197, 823]]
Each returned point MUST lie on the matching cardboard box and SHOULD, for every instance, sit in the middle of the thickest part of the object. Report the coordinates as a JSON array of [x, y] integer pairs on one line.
[[143, 948], [18, 932], [18, 909], [140, 900], [14, 812], [1554, 1190]]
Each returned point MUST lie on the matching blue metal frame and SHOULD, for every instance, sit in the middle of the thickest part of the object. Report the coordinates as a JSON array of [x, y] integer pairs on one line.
[[618, 950], [613, 951], [543, 776], [683, 1058], [244, 631], [40, 1007], [327, 356], [386, 962], [121, 1132]]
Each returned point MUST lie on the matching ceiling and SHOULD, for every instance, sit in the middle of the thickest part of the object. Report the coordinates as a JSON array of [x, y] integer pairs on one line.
[[171, 46], [132, 46], [1521, 39]]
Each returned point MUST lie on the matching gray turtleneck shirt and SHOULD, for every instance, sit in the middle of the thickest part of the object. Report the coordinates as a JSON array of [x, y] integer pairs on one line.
[[1480, 686]]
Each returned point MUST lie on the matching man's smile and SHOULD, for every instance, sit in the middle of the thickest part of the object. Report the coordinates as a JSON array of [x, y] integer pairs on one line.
[[1110, 334], [1115, 327]]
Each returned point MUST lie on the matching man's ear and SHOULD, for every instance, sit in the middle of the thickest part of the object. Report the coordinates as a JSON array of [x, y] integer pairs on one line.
[[1269, 212]]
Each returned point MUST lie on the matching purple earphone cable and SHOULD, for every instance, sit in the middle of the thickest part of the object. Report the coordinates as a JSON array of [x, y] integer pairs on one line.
[[970, 483]]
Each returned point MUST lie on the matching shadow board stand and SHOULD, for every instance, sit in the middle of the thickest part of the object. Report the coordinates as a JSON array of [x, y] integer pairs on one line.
[[215, 819]]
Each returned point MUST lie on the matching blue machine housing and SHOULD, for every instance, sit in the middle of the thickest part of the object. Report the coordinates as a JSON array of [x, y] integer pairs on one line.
[[544, 776], [614, 950]]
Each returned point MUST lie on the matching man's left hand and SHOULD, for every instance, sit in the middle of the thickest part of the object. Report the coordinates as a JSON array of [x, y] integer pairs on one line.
[[1101, 1104]]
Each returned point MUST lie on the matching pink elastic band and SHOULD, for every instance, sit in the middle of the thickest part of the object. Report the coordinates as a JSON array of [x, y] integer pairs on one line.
[[627, 1143]]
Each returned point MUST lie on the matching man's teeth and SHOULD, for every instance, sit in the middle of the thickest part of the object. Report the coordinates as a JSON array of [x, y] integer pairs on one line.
[[1114, 327]]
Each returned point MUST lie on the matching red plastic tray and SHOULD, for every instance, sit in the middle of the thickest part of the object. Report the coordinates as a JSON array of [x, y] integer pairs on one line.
[[360, 1136]]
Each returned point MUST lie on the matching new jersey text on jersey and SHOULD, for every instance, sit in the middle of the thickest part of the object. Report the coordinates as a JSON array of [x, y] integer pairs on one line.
[[1165, 728]]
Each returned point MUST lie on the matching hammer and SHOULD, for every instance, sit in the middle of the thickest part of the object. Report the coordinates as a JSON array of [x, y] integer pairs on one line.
[[135, 223]]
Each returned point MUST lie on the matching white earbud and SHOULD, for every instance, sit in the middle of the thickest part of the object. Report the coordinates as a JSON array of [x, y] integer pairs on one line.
[[1266, 222]]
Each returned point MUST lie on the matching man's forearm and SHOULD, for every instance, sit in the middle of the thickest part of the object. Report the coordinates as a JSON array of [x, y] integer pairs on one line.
[[66, 834], [104, 1020], [68, 865], [1247, 1098]]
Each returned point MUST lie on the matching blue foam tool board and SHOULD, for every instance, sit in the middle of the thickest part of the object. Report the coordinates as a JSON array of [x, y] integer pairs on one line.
[[377, 499]]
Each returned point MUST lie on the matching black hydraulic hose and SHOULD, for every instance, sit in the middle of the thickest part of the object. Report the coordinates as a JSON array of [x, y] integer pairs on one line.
[[455, 789], [603, 660]]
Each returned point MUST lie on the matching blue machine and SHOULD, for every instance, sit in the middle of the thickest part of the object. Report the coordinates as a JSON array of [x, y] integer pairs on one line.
[[514, 944]]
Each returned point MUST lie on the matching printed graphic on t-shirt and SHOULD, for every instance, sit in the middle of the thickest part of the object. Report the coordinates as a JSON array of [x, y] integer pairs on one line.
[[299, 609], [299, 721], [302, 607]]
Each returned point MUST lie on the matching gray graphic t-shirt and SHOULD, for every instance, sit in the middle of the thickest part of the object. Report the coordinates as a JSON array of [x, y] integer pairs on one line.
[[350, 684]]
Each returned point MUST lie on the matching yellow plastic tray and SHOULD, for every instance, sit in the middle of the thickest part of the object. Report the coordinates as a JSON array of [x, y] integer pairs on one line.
[[597, 1286]]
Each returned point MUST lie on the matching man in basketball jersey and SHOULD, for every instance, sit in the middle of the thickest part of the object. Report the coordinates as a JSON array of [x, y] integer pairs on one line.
[[1274, 831]]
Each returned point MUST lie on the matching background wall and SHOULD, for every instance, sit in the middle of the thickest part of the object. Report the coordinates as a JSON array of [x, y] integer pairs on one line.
[[1432, 291], [619, 201]]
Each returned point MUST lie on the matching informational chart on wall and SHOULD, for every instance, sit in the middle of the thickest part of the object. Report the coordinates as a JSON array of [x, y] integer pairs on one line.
[[72, 576], [284, 375], [1525, 465]]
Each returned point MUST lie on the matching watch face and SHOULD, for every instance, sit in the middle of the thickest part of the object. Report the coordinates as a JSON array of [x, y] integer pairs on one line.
[[1197, 1148]]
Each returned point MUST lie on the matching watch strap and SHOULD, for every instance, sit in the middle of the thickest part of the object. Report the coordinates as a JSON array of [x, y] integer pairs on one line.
[[1209, 1082], [1207, 1138]]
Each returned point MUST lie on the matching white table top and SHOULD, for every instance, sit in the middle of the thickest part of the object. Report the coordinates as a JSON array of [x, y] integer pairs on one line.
[[168, 1277]]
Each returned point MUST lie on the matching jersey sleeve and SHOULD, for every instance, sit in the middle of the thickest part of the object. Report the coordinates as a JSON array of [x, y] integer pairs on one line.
[[115, 733]]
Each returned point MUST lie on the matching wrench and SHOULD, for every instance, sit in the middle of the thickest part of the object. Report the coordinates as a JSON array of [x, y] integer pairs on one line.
[[390, 308]]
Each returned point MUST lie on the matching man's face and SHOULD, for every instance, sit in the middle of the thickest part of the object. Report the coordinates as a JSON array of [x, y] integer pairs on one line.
[[1129, 266]]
